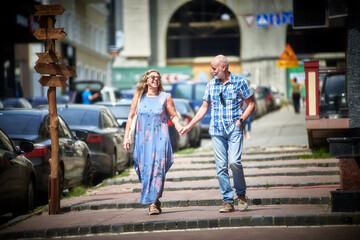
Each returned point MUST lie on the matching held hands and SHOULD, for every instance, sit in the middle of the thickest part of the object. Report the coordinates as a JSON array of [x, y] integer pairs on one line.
[[184, 130]]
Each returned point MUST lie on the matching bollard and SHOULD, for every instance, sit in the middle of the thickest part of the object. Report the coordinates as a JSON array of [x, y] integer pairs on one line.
[[347, 198]]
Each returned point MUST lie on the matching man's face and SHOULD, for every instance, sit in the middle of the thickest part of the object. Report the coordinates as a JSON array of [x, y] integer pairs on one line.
[[217, 70]]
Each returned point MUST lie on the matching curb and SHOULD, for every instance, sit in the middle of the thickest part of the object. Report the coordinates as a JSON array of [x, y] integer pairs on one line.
[[205, 202], [205, 223], [264, 185]]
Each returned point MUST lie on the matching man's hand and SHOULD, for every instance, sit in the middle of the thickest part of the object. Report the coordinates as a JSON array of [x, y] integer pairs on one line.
[[185, 129]]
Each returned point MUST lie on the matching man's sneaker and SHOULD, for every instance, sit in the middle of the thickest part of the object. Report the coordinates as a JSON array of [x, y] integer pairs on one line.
[[242, 202], [227, 207]]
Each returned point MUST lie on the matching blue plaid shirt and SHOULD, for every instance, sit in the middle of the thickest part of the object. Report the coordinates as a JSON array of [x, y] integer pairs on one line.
[[227, 103]]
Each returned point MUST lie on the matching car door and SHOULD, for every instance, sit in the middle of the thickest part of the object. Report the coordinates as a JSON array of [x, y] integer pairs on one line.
[[113, 129], [72, 156], [13, 185]]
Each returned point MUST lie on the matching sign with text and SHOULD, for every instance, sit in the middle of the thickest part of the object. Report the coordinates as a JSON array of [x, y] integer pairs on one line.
[[46, 10], [55, 69], [50, 33]]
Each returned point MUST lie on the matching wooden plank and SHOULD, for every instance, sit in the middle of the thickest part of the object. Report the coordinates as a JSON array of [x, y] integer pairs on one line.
[[53, 81], [55, 69], [48, 57], [50, 33], [46, 10]]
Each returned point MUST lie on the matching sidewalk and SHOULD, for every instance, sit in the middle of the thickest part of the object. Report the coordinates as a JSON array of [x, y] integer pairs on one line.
[[284, 190]]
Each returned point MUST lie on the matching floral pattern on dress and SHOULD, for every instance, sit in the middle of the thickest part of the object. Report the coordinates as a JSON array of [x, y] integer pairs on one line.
[[153, 154]]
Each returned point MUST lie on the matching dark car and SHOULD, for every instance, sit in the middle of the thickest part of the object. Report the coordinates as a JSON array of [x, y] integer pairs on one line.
[[333, 95], [194, 92], [16, 103], [17, 177], [188, 113], [105, 137], [74, 155], [121, 112]]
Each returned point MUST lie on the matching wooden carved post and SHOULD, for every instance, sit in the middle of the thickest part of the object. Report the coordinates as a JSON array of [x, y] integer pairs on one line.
[[47, 64]]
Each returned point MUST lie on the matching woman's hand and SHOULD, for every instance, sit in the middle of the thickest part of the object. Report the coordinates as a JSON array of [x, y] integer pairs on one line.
[[126, 144]]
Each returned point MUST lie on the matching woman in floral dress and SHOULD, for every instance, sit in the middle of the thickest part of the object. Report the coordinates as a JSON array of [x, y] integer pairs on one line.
[[153, 154]]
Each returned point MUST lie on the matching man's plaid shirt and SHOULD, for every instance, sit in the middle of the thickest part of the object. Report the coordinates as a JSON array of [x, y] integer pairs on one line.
[[227, 103]]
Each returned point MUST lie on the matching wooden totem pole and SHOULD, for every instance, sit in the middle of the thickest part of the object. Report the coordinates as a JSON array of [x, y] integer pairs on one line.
[[56, 76]]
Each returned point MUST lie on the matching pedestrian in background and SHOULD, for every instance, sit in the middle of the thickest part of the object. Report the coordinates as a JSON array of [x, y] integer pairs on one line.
[[296, 90], [152, 154], [87, 96], [227, 93]]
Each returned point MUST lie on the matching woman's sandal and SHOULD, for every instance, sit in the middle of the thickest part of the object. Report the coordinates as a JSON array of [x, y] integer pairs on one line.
[[154, 208]]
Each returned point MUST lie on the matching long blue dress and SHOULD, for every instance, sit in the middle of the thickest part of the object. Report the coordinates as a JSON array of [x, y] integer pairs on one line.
[[153, 154]]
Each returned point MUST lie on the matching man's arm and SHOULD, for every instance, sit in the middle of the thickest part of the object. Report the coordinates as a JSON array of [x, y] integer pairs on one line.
[[198, 116], [248, 111]]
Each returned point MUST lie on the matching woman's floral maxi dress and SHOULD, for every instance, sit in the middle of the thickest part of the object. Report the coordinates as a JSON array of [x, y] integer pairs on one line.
[[153, 154]]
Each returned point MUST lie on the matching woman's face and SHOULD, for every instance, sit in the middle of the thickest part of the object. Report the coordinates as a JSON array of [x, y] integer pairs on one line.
[[153, 80]]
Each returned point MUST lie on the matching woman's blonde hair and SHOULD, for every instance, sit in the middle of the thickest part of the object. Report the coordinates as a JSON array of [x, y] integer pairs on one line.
[[142, 87]]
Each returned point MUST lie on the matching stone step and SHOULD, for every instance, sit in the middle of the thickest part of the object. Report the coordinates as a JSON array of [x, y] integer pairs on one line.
[[204, 174]]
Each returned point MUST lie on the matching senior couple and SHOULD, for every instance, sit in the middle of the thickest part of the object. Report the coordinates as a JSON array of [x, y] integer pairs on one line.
[[232, 103]]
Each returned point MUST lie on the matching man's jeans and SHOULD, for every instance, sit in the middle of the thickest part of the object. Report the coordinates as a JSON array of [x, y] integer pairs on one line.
[[227, 150]]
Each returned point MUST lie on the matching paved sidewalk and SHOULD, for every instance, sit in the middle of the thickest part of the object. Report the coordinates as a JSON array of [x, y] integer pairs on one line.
[[284, 190]]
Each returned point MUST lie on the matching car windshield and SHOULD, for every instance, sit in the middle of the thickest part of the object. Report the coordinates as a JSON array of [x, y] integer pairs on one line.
[[199, 91], [119, 111], [79, 117], [20, 124], [336, 84]]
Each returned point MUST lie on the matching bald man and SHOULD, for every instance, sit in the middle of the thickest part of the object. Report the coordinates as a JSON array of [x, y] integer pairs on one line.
[[232, 103]]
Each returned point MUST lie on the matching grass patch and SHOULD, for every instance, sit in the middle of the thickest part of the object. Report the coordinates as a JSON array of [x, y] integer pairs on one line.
[[317, 154], [186, 151], [75, 192]]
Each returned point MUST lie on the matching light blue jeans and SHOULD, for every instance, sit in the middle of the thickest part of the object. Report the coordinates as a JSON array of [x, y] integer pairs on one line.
[[227, 151]]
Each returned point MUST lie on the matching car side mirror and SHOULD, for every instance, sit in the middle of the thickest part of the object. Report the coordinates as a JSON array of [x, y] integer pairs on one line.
[[81, 135], [26, 147]]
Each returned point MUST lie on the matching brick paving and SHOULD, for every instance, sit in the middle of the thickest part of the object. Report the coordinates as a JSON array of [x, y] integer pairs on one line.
[[283, 190]]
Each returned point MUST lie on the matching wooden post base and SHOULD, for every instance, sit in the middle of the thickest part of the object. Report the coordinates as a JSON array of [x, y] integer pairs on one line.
[[54, 196]]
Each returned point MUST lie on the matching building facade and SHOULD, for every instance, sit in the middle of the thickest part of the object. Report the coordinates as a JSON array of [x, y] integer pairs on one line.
[[253, 34]]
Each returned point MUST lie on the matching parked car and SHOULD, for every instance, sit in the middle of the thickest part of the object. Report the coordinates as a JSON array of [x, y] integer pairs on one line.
[[333, 95], [268, 98], [74, 155], [260, 105], [194, 92], [17, 177], [178, 142], [16, 103], [105, 137], [277, 97], [121, 112], [188, 113], [37, 101], [105, 93]]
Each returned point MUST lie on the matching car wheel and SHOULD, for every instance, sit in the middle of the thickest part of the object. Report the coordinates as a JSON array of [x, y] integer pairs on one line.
[[29, 201], [113, 165], [88, 175]]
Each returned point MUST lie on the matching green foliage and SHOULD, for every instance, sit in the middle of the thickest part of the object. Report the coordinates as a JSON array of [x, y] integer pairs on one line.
[[186, 151], [317, 154]]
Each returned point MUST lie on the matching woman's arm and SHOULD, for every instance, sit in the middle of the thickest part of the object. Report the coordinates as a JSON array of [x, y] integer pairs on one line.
[[134, 102], [171, 110]]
